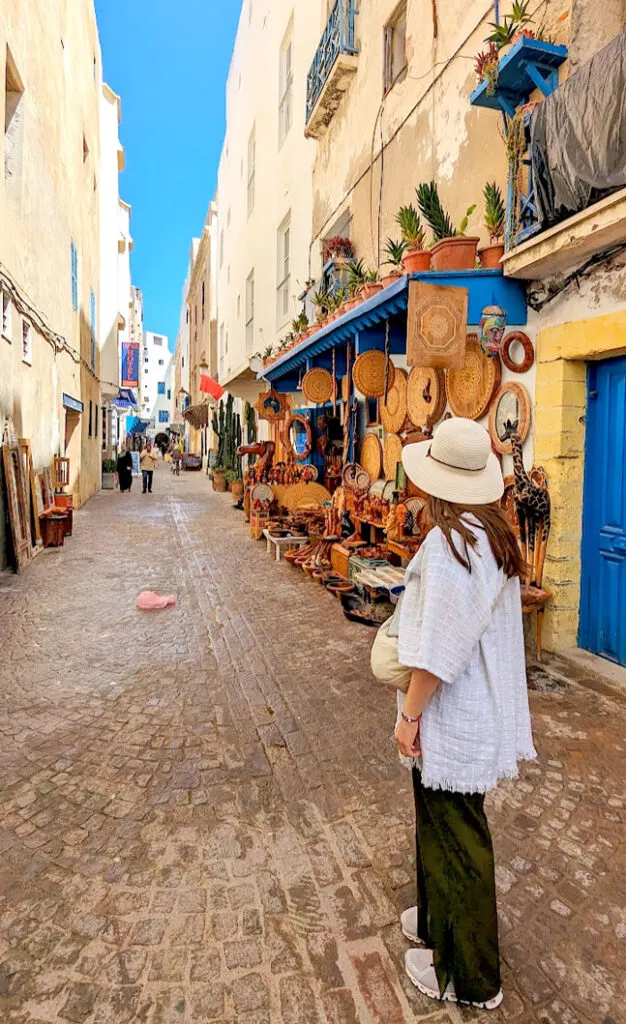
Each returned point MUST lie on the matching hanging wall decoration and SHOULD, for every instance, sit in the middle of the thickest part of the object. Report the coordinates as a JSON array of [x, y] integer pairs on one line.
[[528, 352], [318, 386], [393, 411], [371, 371], [426, 396], [436, 325], [492, 328], [372, 456], [272, 406], [392, 455], [509, 413], [471, 389]]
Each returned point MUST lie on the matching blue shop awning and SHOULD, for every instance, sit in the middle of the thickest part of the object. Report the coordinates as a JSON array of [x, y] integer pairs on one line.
[[136, 426], [125, 399], [365, 324]]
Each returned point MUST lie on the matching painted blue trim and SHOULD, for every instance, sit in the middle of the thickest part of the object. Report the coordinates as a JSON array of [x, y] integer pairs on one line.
[[485, 288], [73, 403], [528, 65]]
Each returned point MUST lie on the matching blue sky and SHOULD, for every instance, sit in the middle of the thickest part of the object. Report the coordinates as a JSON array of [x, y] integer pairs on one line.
[[168, 62]]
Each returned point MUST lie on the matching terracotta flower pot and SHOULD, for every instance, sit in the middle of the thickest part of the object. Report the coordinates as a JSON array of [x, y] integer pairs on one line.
[[236, 489], [352, 304], [491, 255], [371, 289], [219, 482], [417, 261], [390, 278], [455, 253]]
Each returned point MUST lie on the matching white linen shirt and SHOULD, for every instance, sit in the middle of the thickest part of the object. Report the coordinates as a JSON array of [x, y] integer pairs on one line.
[[466, 629]]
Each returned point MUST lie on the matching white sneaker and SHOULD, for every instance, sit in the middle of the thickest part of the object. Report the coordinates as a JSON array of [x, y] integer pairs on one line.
[[421, 971], [408, 923]]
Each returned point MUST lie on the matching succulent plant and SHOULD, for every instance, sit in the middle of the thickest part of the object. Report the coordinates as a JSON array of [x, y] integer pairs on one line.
[[495, 211], [413, 233], [433, 211], [395, 252]]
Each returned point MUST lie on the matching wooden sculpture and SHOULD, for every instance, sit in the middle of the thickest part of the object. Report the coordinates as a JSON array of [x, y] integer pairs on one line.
[[532, 503], [264, 450]]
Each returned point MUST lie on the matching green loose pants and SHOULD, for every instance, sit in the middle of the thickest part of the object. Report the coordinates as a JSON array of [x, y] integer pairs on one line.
[[456, 893]]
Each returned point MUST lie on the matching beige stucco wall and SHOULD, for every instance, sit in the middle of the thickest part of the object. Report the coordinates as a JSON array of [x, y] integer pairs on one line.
[[50, 199], [202, 324], [283, 179]]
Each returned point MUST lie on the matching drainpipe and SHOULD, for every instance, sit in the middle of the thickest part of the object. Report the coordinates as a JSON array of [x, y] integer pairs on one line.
[[496, 11]]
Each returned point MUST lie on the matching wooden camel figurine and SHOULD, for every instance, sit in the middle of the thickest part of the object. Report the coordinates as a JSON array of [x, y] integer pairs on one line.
[[532, 504], [264, 450]]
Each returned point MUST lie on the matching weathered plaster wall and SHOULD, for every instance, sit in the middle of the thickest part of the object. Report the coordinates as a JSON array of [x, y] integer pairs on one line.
[[50, 198], [594, 24]]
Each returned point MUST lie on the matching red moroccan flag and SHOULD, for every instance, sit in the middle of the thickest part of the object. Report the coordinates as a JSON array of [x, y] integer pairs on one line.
[[211, 387]]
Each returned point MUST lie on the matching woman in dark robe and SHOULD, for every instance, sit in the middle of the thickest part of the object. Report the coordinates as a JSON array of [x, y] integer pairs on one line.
[[125, 470]]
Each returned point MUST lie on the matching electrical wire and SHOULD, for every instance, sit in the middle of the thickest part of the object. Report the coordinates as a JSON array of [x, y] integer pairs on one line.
[[537, 298]]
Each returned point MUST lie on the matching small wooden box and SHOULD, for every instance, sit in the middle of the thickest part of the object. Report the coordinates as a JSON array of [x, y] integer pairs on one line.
[[258, 523], [340, 559]]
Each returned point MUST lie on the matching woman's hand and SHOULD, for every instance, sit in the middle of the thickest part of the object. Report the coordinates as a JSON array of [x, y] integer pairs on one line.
[[408, 738]]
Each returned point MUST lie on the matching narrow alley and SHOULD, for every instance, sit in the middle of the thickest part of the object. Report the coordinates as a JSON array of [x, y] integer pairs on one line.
[[202, 817]]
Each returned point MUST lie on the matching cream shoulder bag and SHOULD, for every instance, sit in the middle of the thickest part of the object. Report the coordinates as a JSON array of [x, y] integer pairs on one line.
[[384, 657]]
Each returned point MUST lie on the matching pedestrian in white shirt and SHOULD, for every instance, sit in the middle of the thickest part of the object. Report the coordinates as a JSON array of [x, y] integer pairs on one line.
[[464, 721]]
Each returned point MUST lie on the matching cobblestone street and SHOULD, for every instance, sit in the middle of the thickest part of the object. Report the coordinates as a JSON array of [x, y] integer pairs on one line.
[[202, 818]]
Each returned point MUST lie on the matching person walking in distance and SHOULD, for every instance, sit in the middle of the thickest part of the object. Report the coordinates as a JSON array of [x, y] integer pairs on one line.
[[148, 463], [464, 722]]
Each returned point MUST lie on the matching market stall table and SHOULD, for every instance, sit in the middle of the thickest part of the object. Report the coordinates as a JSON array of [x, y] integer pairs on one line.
[[282, 542]]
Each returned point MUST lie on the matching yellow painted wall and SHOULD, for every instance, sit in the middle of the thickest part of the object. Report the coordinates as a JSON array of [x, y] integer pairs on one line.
[[561, 395], [50, 198]]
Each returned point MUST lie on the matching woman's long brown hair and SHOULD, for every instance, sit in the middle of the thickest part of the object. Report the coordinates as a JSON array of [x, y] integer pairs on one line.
[[449, 517]]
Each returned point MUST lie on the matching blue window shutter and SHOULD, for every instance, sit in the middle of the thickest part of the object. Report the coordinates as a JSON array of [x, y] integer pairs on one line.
[[93, 331], [163, 416], [74, 258], [161, 387]]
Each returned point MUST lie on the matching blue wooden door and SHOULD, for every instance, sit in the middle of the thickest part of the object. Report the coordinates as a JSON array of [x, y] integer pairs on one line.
[[603, 594]]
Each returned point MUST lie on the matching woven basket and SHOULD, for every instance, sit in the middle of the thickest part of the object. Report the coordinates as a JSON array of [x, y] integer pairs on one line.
[[393, 411], [426, 396], [372, 456], [392, 455], [302, 494], [318, 386], [368, 374], [471, 390]]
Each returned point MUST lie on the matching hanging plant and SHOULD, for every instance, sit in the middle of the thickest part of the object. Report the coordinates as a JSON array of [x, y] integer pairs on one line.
[[515, 149]]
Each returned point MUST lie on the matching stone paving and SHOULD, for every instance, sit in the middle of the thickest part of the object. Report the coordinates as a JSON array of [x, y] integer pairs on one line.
[[202, 819]]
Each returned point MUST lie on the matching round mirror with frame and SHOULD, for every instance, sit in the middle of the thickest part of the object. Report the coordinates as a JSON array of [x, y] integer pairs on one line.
[[510, 408], [298, 437]]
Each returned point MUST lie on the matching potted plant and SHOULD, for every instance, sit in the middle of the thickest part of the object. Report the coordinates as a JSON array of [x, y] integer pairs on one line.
[[356, 280], [453, 250], [267, 355], [338, 248], [416, 257], [522, 21], [219, 479], [486, 67], [394, 251], [333, 302], [320, 301], [495, 218], [109, 468], [372, 284]]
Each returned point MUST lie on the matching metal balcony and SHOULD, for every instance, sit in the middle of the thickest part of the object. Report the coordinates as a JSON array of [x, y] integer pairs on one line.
[[333, 66]]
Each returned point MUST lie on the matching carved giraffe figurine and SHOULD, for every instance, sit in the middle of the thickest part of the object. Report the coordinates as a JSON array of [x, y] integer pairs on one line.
[[532, 502], [264, 450]]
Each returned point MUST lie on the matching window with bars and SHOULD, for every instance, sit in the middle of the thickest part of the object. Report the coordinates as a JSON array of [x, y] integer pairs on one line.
[[284, 269], [285, 110], [251, 170], [7, 321], [90, 434], [250, 310], [395, 61], [203, 302], [27, 342]]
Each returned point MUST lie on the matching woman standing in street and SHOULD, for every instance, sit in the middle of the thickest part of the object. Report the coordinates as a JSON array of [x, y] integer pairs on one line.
[[124, 469], [148, 463], [465, 721]]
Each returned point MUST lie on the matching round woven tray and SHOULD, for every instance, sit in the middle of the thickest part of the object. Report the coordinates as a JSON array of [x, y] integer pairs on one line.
[[298, 495], [471, 389], [392, 455], [318, 386], [355, 478], [426, 396], [368, 374], [372, 456], [393, 411]]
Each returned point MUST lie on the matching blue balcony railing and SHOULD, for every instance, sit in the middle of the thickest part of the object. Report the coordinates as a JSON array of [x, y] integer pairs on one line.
[[339, 37]]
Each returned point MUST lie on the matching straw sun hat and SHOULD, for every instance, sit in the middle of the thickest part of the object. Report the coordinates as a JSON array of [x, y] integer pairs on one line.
[[458, 465]]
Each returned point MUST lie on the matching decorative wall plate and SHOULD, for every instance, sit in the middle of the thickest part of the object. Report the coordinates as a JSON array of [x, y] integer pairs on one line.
[[528, 352], [510, 406], [392, 455], [426, 395], [393, 411], [262, 493], [368, 374], [309, 474], [372, 456], [436, 325], [318, 386], [471, 389], [389, 488], [355, 478]]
